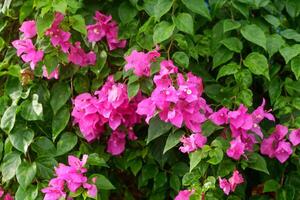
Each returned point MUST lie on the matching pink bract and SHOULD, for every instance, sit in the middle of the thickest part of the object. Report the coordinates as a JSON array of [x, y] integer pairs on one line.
[[29, 29]]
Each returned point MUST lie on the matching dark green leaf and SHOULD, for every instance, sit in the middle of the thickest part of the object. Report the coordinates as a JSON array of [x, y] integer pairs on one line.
[[233, 44], [254, 34], [26, 173], [60, 94], [258, 163], [295, 66], [257, 64], [126, 12], [221, 56], [173, 139], [229, 25], [162, 31], [157, 128], [10, 163], [181, 59], [60, 121], [43, 145], [133, 89], [32, 110], [291, 34], [78, 23], [271, 186], [8, 119], [274, 43], [103, 183], [229, 69], [21, 137], [43, 23], [66, 143], [197, 6], [184, 22]]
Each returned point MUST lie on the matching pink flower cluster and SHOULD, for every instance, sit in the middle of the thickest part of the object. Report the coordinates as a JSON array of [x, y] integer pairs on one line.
[[70, 176], [192, 143], [230, 185], [184, 195], [277, 146], [25, 48], [111, 106], [243, 127], [141, 62], [105, 27], [7, 196], [176, 98], [60, 38]]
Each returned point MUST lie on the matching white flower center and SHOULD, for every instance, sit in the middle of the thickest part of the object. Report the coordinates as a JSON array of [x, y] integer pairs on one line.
[[189, 91]]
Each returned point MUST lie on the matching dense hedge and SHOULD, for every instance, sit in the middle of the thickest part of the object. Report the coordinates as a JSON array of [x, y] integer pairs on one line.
[[150, 99]]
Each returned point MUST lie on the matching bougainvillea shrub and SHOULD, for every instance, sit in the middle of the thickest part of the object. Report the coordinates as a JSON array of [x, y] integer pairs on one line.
[[150, 99]]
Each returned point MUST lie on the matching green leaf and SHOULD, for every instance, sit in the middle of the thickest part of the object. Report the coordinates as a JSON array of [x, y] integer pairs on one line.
[[94, 159], [257, 64], [160, 180], [103, 183], [175, 182], [60, 5], [162, 31], [81, 83], [229, 25], [184, 22], [25, 10], [32, 110], [43, 145], [271, 186], [272, 20], [45, 165], [10, 163], [60, 94], [216, 156], [274, 43], [66, 143], [290, 52], [21, 137], [43, 23], [13, 88], [209, 128], [197, 6], [181, 59], [258, 163], [229, 69], [8, 119], [133, 89], [245, 97], [209, 183], [162, 7], [291, 34], [29, 193], [196, 157], [127, 12], [173, 139], [149, 171], [60, 121], [295, 66], [26, 173], [135, 166], [157, 128], [51, 62], [78, 23], [233, 44], [221, 56], [225, 167], [254, 34]]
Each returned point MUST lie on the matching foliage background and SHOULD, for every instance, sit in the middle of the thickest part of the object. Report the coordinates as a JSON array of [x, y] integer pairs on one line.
[[244, 50]]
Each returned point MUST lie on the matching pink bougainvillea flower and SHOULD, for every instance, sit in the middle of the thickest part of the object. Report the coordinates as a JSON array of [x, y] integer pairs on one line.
[[240, 118], [283, 151], [29, 29], [58, 37], [79, 57], [69, 177], [276, 145], [140, 62], [8, 197], [27, 51], [294, 137], [116, 143], [184, 195], [146, 107], [235, 180], [54, 74], [237, 148], [1, 192], [192, 143], [230, 185], [105, 27], [220, 117], [225, 185], [95, 32]]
